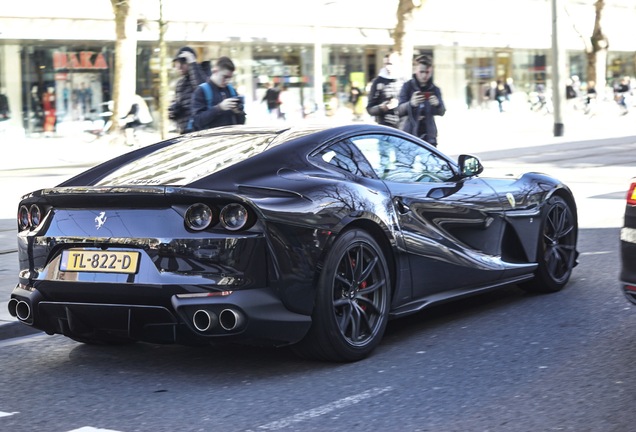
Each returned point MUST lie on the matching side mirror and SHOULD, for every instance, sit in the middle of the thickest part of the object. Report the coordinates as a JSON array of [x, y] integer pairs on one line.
[[469, 165]]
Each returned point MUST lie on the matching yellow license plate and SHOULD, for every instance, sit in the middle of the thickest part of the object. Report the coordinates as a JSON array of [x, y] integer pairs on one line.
[[99, 261]]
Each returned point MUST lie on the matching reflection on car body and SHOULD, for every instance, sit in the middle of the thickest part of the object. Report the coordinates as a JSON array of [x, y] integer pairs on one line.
[[312, 237]]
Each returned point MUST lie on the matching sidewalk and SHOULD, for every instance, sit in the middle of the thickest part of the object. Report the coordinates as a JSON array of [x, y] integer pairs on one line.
[[464, 131], [460, 131]]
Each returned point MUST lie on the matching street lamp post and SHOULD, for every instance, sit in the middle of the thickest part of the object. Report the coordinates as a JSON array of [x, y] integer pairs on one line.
[[556, 75], [318, 74]]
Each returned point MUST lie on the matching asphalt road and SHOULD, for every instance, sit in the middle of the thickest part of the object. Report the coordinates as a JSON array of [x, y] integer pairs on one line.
[[503, 361]]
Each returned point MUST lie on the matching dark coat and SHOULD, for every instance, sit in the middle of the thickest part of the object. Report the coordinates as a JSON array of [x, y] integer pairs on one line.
[[205, 118], [420, 121], [179, 110], [382, 90], [5, 113]]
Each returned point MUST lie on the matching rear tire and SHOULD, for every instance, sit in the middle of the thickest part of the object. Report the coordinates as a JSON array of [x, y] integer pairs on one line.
[[352, 301], [556, 254]]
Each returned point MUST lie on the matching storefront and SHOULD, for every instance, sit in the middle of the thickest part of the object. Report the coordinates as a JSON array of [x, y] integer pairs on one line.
[[63, 86]]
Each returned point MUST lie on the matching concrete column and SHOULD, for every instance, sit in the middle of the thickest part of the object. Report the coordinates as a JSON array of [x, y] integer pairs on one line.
[[448, 75], [11, 85]]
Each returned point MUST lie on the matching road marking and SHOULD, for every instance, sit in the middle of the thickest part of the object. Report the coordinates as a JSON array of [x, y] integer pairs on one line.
[[325, 409], [6, 414], [92, 429]]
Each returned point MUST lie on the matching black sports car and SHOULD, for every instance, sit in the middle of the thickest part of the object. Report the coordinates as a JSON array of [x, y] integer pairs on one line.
[[309, 236], [628, 246]]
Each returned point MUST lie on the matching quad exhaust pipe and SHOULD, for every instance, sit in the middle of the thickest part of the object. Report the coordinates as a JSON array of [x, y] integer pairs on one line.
[[13, 305], [204, 320], [23, 311], [20, 309], [229, 319]]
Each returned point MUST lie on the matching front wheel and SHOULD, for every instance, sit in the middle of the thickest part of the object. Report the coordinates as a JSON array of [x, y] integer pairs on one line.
[[556, 254], [352, 301]]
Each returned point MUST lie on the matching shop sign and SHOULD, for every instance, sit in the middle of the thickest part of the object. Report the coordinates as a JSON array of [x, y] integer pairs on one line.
[[276, 70], [335, 70], [79, 60], [484, 72]]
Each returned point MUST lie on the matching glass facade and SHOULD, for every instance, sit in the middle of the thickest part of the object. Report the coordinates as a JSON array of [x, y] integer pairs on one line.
[[63, 84], [65, 87]]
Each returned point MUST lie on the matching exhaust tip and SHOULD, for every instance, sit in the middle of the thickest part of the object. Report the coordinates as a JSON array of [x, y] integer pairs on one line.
[[12, 305], [23, 310], [230, 319], [204, 320]]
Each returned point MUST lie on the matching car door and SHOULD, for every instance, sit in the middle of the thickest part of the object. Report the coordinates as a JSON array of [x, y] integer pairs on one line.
[[451, 227]]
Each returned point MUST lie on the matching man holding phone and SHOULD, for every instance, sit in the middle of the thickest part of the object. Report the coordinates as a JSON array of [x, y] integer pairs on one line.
[[218, 105], [420, 101]]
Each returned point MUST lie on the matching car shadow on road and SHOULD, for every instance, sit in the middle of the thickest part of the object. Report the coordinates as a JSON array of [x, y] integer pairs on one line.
[[507, 309]]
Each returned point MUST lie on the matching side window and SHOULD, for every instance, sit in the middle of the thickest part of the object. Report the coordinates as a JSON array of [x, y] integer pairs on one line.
[[399, 160], [345, 156]]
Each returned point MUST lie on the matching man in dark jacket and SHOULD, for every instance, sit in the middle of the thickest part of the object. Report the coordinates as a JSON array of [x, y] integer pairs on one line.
[[420, 101], [272, 97], [191, 76], [383, 96], [225, 107]]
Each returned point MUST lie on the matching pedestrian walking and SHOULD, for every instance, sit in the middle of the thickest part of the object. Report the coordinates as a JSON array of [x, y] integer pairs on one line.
[[286, 103], [272, 98], [590, 98], [384, 93], [621, 91], [137, 117], [502, 94], [420, 101], [215, 103], [355, 99], [191, 76], [5, 111]]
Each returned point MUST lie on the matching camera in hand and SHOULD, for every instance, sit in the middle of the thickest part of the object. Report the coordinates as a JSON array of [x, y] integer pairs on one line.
[[241, 102]]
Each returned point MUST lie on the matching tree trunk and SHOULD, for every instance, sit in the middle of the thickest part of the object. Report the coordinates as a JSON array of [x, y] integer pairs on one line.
[[125, 77], [404, 34], [597, 54], [163, 76]]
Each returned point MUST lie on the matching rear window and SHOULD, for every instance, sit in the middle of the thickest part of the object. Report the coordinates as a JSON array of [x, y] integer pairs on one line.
[[189, 160]]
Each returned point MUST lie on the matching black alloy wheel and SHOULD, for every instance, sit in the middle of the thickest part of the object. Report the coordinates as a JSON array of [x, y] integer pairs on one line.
[[556, 254], [352, 303]]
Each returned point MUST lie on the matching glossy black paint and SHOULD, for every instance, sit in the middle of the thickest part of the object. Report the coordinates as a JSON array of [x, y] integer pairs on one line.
[[442, 239], [627, 275]]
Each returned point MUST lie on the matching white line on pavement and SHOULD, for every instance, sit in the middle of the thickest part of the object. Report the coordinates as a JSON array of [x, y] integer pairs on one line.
[[325, 409], [92, 429]]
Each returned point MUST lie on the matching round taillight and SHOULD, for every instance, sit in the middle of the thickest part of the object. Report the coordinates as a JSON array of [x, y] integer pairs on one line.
[[233, 217], [35, 215], [23, 217], [198, 217]]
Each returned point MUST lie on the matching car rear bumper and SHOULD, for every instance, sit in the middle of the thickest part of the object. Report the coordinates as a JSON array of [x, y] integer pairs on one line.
[[255, 316], [628, 264]]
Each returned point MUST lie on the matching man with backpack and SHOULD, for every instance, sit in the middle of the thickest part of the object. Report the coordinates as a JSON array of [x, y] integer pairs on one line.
[[215, 103]]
